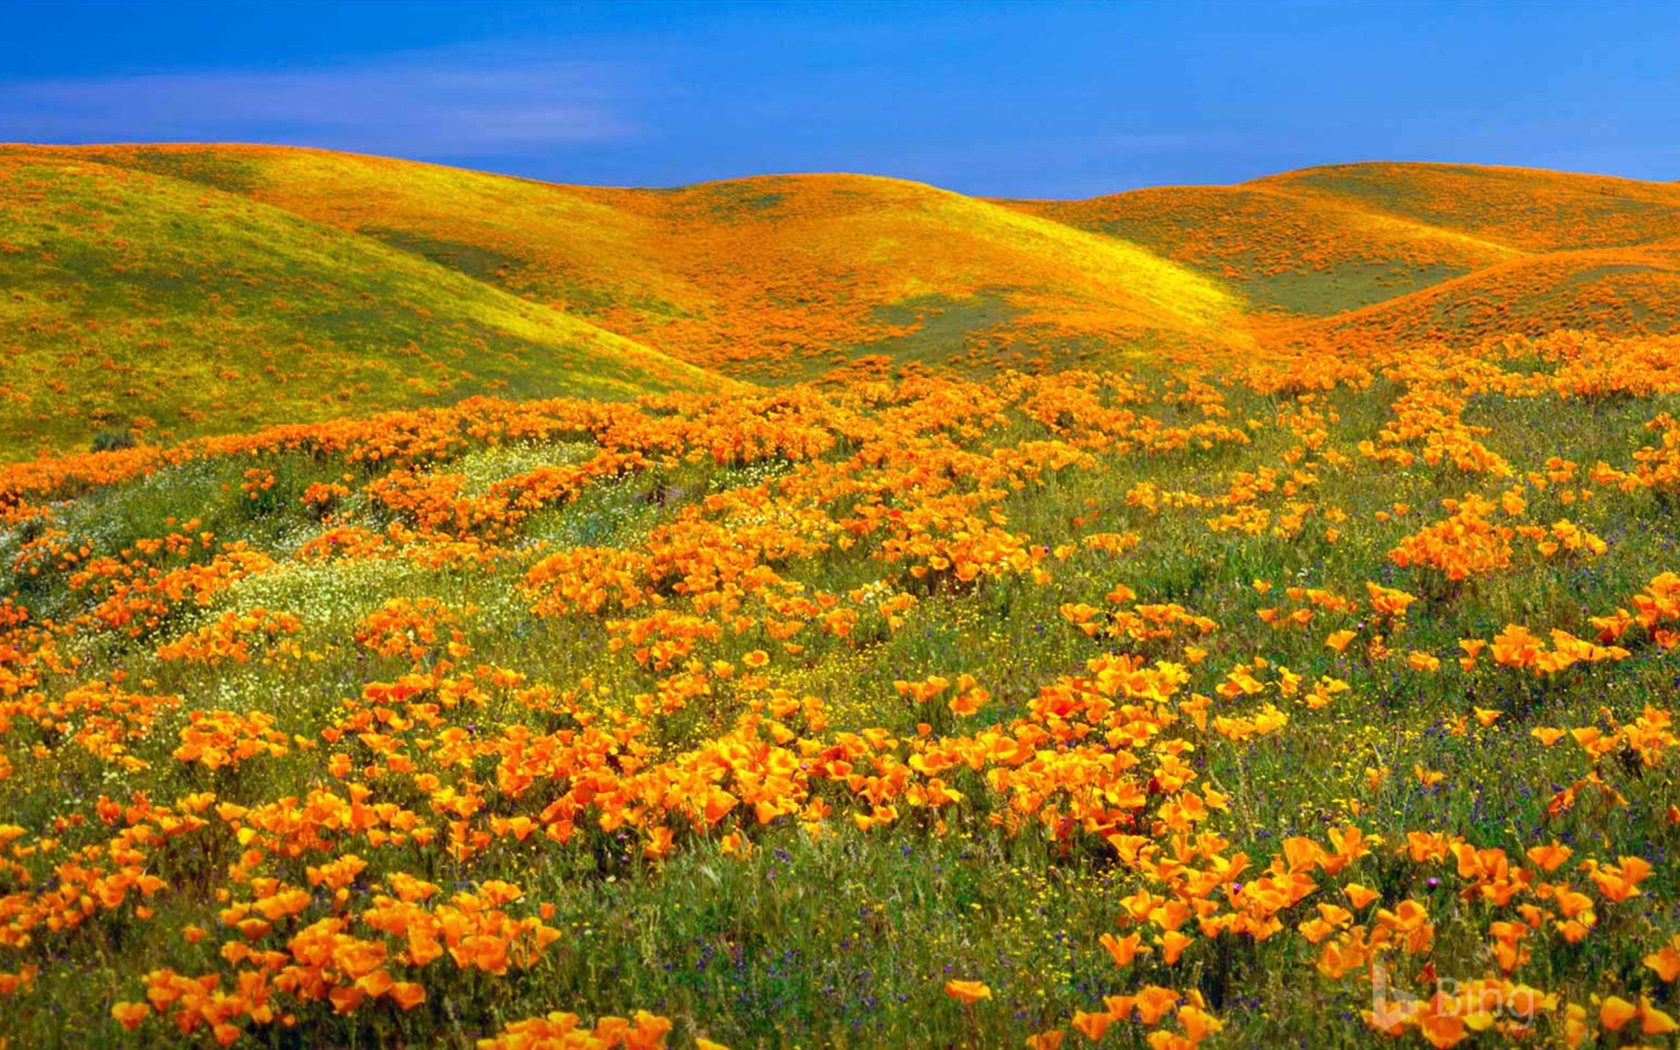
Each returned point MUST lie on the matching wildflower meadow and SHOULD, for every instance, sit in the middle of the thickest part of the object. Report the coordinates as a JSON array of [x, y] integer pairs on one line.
[[1147, 707], [833, 612]]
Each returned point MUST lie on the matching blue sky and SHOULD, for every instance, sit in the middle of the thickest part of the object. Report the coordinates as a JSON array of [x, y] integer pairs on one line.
[[1048, 100]]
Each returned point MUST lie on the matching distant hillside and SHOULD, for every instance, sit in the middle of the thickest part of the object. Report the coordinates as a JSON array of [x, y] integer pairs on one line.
[[1623, 291], [774, 277], [1285, 252], [138, 300], [193, 289], [1450, 252], [1525, 208]]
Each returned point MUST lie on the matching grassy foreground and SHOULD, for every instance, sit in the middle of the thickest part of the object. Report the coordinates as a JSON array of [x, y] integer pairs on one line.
[[1149, 709]]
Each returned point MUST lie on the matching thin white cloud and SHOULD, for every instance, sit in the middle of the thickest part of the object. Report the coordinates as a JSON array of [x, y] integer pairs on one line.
[[434, 105]]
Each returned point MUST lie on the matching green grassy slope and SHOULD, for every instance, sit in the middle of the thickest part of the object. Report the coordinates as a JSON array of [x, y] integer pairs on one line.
[[130, 298]]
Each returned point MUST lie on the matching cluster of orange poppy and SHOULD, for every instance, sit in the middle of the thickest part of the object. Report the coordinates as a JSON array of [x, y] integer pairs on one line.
[[445, 755]]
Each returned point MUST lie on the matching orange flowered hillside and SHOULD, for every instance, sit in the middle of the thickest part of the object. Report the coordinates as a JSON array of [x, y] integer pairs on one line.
[[1433, 251], [770, 277]]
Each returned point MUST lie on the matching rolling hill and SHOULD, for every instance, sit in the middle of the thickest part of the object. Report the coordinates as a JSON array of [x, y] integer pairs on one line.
[[1526, 208], [138, 300], [1324, 241], [771, 278], [1625, 291], [196, 289], [1285, 252]]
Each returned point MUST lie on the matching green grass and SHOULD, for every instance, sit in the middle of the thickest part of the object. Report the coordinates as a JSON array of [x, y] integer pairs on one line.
[[1322, 293], [140, 301]]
